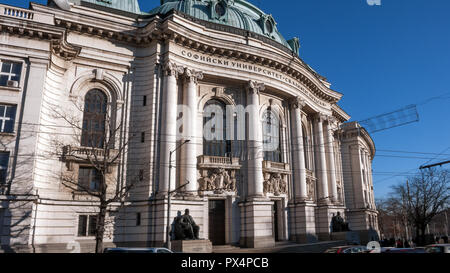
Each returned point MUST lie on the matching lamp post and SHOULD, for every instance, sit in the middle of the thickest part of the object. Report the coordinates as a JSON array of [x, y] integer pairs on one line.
[[169, 195]]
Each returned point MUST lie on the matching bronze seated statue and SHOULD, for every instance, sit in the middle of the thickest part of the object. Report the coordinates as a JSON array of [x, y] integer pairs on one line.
[[185, 227], [338, 224]]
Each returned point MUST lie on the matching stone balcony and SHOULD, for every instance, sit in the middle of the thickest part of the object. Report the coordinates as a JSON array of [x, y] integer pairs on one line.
[[26, 14], [276, 167], [88, 155], [218, 162]]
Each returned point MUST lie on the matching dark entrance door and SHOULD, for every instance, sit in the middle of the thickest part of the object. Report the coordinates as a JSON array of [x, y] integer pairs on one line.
[[275, 221], [217, 222]]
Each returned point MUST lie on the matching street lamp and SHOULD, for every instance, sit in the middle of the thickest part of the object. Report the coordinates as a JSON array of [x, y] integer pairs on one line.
[[169, 195]]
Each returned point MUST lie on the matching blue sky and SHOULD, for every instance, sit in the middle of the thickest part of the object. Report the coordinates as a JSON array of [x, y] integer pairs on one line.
[[381, 58]]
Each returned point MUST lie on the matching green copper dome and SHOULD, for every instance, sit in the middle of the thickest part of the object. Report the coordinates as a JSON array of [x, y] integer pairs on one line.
[[235, 13]]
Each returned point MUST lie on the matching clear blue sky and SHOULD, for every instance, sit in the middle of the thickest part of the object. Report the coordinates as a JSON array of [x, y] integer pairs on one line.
[[381, 58]]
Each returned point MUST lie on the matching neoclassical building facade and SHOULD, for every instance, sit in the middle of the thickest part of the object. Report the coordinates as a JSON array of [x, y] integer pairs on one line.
[[204, 102]]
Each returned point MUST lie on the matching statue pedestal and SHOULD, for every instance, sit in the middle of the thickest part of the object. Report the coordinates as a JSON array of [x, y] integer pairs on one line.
[[348, 236], [192, 246]]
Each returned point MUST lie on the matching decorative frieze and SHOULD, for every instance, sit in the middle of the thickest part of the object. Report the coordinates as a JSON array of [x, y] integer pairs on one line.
[[218, 181], [275, 184], [218, 175], [276, 177]]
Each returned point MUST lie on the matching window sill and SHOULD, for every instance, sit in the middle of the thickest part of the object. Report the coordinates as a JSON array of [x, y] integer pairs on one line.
[[8, 134], [12, 89]]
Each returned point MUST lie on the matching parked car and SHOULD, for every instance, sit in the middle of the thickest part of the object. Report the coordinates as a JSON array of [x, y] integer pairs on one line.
[[438, 248], [137, 250], [347, 249], [405, 250]]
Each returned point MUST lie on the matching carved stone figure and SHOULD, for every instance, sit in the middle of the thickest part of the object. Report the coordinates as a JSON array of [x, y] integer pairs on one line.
[[218, 180], [229, 182], [208, 183], [219, 183], [275, 184], [310, 184]]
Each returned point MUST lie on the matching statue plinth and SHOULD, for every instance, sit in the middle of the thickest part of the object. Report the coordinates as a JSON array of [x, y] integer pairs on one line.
[[348, 236], [192, 246]]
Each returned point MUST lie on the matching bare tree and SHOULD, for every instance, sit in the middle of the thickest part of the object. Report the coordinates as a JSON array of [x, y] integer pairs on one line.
[[423, 197], [100, 141]]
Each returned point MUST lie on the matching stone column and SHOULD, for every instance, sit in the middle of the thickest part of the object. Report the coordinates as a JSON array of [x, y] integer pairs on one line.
[[191, 132], [331, 159], [322, 166], [168, 127], [298, 150], [255, 141]]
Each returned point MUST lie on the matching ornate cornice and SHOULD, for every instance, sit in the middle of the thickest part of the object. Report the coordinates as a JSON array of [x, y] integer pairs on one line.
[[314, 85], [64, 49], [57, 36]]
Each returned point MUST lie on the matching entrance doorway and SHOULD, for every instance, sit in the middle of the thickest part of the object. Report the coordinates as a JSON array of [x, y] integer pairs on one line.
[[275, 216], [217, 222]]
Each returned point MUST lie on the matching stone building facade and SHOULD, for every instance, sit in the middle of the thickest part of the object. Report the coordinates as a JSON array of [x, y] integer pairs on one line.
[[222, 60]]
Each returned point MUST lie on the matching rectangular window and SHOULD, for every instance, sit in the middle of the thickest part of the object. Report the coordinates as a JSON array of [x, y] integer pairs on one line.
[[89, 178], [2, 213], [87, 225], [141, 175], [10, 73], [92, 225], [4, 162], [144, 102], [138, 219], [143, 137], [82, 225], [7, 118]]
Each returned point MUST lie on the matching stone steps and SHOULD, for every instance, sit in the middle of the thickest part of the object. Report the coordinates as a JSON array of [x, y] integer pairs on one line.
[[225, 249]]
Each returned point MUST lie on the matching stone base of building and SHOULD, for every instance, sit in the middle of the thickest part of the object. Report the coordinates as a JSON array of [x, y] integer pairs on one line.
[[192, 246], [76, 247], [257, 224], [303, 223]]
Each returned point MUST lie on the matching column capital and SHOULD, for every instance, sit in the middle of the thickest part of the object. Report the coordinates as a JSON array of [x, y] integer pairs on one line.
[[320, 117], [255, 87], [172, 69], [297, 103], [193, 75]]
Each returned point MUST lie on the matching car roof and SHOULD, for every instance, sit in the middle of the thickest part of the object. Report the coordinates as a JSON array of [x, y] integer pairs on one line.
[[337, 247], [131, 248]]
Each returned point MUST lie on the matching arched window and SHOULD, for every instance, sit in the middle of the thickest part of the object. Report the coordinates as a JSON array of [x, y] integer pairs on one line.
[[215, 126], [94, 119], [306, 148], [271, 137]]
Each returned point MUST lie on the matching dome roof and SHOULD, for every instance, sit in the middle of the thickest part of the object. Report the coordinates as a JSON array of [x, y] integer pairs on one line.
[[235, 13]]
